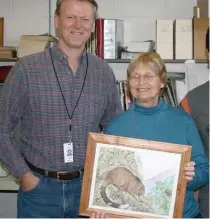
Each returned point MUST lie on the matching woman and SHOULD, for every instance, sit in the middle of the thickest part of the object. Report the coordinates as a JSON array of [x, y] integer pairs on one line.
[[152, 119]]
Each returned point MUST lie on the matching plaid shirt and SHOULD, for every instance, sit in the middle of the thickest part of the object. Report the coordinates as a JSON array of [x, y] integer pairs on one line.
[[31, 94]]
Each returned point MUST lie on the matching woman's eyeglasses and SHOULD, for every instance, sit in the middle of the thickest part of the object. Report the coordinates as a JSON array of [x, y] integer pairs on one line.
[[148, 77]]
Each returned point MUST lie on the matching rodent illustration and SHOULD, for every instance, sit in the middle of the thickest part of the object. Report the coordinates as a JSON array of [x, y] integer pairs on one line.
[[123, 178]]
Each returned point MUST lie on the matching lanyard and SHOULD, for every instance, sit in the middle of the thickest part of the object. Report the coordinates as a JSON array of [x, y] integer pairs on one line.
[[75, 106]]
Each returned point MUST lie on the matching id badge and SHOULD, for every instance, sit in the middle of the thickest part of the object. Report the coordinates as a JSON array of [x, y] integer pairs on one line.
[[68, 152]]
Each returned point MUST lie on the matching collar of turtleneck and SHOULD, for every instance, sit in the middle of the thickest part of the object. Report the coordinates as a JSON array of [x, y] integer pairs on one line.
[[148, 110]]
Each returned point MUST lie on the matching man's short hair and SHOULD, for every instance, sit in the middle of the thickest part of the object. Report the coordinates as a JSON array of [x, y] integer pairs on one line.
[[93, 2]]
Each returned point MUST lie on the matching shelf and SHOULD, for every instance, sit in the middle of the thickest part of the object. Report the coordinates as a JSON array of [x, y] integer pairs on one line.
[[8, 183], [165, 60], [8, 60], [123, 60]]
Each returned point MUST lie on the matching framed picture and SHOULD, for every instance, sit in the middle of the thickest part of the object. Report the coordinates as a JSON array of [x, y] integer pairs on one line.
[[134, 178]]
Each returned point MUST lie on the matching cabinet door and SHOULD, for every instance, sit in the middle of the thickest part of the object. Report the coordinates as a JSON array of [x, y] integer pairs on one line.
[[8, 207]]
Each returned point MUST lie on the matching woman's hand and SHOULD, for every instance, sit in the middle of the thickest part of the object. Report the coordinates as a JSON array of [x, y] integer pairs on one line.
[[98, 215], [190, 171]]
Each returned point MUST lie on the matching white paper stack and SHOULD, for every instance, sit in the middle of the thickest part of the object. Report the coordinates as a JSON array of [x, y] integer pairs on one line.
[[183, 39], [195, 74], [164, 38], [142, 46]]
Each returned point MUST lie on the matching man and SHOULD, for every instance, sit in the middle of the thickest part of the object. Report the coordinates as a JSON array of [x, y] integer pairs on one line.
[[59, 95], [196, 103]]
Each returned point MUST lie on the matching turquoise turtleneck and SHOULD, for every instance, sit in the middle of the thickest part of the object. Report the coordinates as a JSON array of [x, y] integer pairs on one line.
[[166, 124], [148, 110]]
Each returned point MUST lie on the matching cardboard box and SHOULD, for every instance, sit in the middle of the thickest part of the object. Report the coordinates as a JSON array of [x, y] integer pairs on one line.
[[1, 31], [203, 6], [200, 26]]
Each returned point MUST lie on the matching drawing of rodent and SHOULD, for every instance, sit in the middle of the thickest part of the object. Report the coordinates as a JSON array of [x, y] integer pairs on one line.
[[125, 179]]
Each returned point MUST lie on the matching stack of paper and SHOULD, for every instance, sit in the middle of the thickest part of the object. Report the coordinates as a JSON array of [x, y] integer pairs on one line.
[[196, 74], [133, 49], [142, 46], [164, 38], [7, 52], [30, 44], [183, 39]]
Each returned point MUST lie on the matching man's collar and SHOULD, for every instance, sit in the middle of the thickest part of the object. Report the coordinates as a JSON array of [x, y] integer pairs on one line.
[[61, 56]]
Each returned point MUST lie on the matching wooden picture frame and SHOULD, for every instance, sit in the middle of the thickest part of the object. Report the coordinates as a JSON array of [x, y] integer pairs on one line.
[[133, 178]]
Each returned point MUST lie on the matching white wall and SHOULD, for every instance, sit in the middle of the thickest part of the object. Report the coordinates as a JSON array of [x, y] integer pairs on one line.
[[140, 15], [23, 17], [32, 16]]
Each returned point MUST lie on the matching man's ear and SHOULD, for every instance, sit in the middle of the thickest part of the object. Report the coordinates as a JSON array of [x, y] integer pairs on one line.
[[56, 21], [56, 25]]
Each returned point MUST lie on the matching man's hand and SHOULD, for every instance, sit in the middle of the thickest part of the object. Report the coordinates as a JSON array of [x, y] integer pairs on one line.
[[29, 181], [190, 171]]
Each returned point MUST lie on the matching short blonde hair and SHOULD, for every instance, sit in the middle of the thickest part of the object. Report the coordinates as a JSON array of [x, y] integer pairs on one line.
[[92, 2], [151, 59]]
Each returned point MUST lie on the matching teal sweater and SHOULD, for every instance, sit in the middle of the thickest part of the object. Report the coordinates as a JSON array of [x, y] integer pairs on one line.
[[166, 124]]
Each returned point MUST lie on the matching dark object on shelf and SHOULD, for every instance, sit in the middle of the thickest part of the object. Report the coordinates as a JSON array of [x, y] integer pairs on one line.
[[4, 70]]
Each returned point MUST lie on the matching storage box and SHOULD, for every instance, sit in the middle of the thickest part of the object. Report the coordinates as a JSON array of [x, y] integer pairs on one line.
[[1, 31], [113, 38], [199, 37], [164, 38], [203, 8], [183, 39]]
